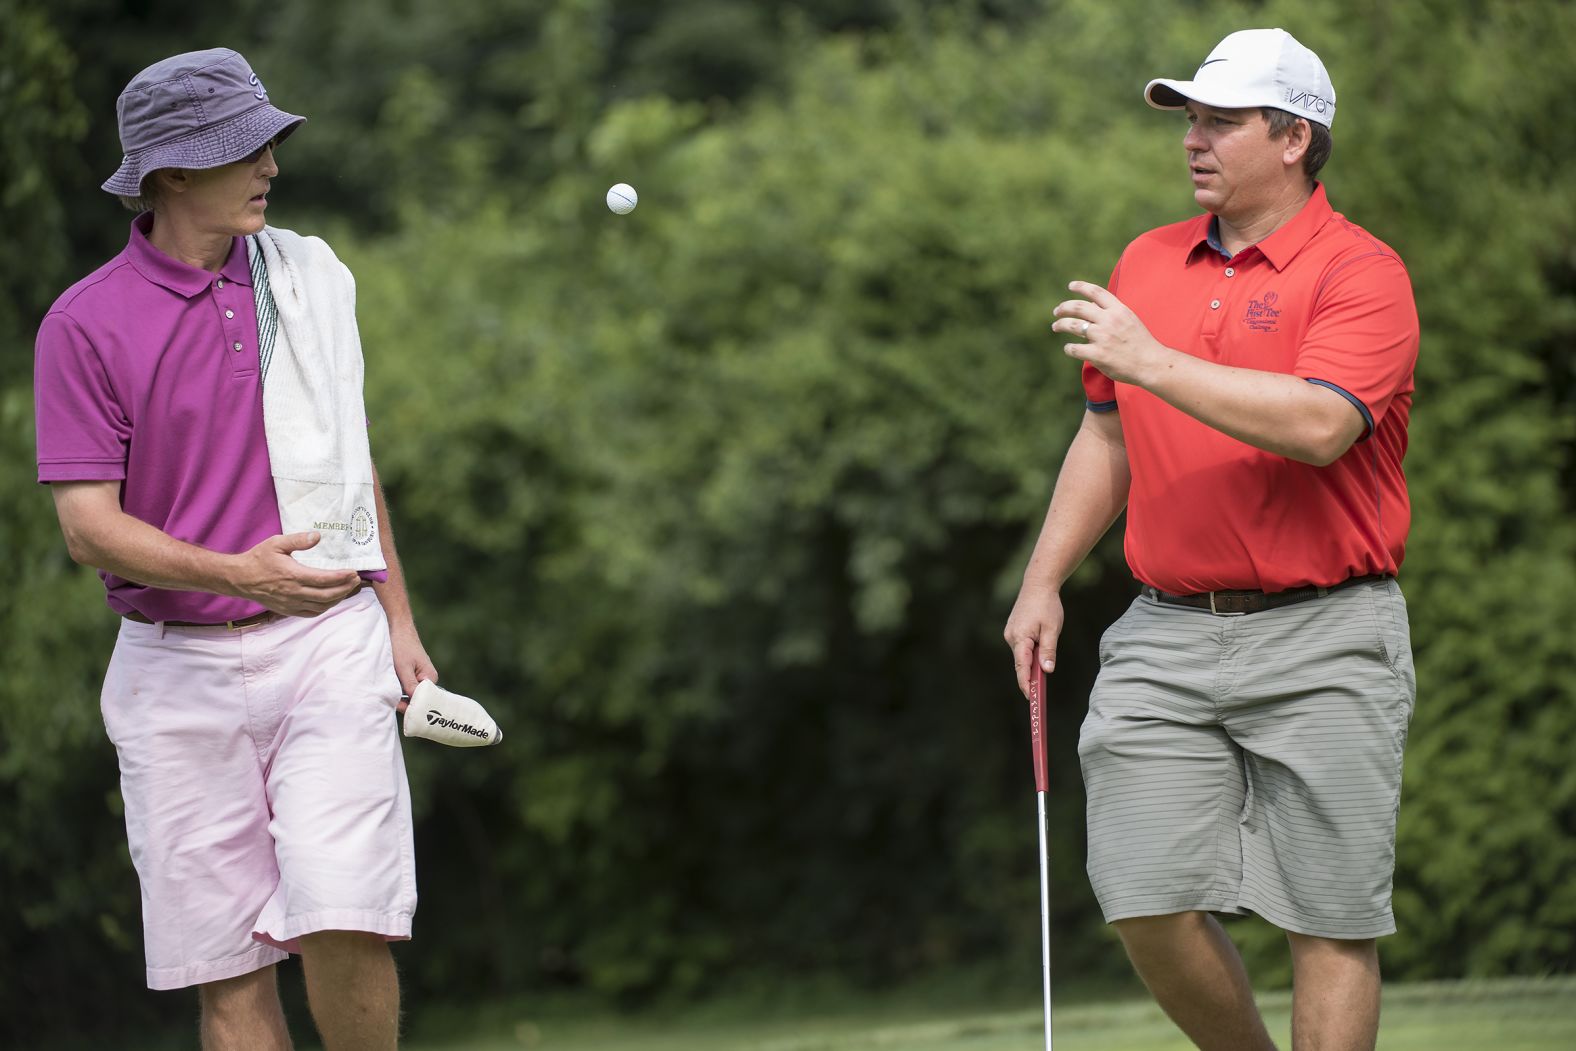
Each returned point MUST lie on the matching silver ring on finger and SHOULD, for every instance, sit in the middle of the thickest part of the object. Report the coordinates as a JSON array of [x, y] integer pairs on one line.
[[1085, 330]]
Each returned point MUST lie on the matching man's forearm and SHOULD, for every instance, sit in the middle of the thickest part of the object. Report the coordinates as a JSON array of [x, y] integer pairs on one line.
[[391, 593], [1273, 411], [1278, 413], [1090, 493], [134, 550]]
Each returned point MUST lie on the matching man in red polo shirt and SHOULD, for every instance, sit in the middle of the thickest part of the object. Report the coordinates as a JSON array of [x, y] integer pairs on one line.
[[1249, 380]]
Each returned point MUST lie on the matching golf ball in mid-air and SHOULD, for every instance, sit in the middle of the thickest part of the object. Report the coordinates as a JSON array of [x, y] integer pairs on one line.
[[622, 198]]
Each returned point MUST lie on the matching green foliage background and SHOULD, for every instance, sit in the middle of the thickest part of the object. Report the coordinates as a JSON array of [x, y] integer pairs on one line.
[[720, 506]]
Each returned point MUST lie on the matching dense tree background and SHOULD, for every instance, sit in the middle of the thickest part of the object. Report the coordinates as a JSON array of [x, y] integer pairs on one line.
[[720, 506]]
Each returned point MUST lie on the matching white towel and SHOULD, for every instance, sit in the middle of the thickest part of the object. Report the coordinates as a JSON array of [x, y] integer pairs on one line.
[[313, 415]]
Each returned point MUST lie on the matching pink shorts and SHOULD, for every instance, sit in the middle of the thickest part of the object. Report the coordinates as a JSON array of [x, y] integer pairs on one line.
[[264, 787]]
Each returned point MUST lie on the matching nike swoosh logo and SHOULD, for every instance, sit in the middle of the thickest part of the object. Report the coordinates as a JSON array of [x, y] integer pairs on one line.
[[1211, 62]]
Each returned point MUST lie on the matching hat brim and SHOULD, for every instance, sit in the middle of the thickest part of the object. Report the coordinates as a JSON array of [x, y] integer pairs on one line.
[[1176, 94], [209, 147]]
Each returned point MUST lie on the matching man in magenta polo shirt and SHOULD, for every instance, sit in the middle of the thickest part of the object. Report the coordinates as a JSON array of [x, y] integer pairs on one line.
[[250, 698], [1248, 375]]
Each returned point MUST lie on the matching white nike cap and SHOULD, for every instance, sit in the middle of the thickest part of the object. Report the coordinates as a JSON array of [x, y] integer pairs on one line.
[[1250, 68]]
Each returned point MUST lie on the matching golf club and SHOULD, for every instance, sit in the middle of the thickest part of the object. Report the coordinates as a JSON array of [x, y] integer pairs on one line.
[[1037, 737]]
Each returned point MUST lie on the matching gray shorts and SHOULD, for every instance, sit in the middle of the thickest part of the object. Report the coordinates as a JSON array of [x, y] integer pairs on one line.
[[1251, 763]]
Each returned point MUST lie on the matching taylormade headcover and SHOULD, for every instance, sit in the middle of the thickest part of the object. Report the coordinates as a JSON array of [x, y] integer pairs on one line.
[[448, 718]]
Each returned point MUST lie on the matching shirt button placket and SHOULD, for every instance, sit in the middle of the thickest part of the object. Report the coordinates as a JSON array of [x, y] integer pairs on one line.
[[1213, 317], [231, 330]]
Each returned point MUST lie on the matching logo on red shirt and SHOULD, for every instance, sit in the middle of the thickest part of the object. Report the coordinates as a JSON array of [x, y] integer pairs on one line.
[[1262, 315]]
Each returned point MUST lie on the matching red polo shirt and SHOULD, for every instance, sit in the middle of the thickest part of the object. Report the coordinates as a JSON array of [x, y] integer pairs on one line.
[[1320, 298]]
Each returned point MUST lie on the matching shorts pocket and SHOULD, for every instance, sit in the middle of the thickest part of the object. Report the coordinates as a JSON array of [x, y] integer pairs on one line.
[[1387, 610], [1113, 635], [1380, 620], [125, 685]]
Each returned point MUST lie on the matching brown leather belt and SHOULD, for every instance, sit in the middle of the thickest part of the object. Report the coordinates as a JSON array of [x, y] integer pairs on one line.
[[1237, 603], [267, 616]]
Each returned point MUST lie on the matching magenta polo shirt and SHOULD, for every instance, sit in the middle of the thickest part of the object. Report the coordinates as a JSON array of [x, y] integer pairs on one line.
[[146, 373]]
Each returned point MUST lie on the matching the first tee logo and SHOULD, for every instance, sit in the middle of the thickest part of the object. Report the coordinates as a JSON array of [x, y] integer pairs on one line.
[[1262, 315]]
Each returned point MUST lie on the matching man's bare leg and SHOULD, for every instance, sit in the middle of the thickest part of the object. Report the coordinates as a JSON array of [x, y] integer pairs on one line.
[[352, 989], [243, 1014], [1335, 994], [1196, 975]]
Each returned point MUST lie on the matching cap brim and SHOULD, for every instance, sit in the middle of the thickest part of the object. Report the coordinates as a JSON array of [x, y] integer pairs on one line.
[[208, 147], [1175, 94]]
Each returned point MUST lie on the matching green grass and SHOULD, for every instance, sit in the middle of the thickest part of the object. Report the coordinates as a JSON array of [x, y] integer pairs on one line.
[[1507, 1015]]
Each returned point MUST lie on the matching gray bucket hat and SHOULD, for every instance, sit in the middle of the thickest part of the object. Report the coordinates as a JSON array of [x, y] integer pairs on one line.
[[197, 110]]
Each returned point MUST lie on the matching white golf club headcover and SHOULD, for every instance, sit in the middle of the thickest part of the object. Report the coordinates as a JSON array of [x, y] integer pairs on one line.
[[448, 718]]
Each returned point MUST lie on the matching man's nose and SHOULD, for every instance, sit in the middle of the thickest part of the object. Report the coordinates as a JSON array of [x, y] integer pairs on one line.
[[1193, 141]]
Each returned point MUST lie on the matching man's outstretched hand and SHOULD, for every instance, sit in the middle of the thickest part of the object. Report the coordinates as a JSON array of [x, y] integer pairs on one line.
[[1114, 340]]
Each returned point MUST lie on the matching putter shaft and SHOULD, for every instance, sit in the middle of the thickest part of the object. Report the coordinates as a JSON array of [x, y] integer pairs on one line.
[[1045, 919]]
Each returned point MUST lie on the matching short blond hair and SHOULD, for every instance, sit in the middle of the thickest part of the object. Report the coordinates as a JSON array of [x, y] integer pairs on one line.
[[147, 198]]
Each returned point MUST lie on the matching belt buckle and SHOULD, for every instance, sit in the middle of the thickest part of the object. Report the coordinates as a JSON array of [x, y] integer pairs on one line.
[[247, 622], [1218, 613]]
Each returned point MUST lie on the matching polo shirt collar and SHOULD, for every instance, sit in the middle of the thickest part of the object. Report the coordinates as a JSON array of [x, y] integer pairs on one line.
[[1280, 247], [1212, 236], [181, 278]]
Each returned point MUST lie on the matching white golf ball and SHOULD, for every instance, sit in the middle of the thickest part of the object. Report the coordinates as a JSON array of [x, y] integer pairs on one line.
[[622, 198]]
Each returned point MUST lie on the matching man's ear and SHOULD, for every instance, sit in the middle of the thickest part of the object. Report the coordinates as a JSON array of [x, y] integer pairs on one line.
[[173, 180], [1298, 138]]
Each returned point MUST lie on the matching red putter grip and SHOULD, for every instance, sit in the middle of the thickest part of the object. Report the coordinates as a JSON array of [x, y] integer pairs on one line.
[[1037, 719]]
